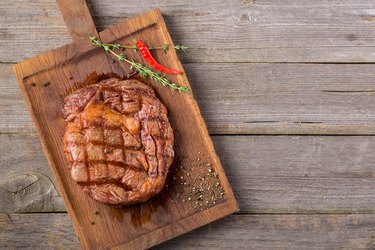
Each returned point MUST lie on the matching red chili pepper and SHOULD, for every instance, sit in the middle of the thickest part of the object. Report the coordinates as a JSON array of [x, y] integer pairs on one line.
[[151, 60]]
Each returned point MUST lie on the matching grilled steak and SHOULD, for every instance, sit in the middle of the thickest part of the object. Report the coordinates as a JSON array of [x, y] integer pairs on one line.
[[119, 142]]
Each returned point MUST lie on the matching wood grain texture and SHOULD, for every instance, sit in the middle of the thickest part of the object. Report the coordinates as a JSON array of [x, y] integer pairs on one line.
[[249, 98], [261, 31], [282, 232], [45, 80], [300, 174], [45, 231], [269, 174], [78, 19], [26, 182]]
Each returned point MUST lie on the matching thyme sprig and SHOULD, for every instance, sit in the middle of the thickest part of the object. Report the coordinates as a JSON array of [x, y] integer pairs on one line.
[[164, 47], [143, 71]]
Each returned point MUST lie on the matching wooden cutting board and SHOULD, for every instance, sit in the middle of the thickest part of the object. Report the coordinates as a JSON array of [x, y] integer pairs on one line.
[[197, 191]]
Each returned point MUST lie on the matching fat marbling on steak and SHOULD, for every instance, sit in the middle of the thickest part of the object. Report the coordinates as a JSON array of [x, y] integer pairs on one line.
[[118, 143]]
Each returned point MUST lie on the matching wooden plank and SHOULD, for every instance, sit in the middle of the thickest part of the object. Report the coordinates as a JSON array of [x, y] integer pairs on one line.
[[282, 232], [300, 174], [249, 98], [168, 214], [235, 31], [26, 182], [13, 113], [269, 174], [46, 231], [37, 231]]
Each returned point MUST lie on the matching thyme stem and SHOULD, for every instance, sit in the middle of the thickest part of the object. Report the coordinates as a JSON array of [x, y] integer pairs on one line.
[[143, 71], [165, 47]]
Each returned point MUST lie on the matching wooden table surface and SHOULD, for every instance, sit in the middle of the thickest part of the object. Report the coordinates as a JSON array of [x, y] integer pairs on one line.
[[287, 89]]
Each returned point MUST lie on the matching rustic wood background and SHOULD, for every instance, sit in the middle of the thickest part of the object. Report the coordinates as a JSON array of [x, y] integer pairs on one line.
[[287, 90]]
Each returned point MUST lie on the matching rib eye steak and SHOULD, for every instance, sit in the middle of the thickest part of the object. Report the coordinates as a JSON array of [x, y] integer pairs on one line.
[[119, 142]]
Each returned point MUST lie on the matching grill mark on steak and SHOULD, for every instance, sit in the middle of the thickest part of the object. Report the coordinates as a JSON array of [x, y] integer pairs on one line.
[[114, 163], [106, 145], [87, 172], [119, 143], [111, 146], [99, 182]]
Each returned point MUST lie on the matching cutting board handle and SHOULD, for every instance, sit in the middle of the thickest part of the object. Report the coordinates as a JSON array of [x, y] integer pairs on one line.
[[78, 19]]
